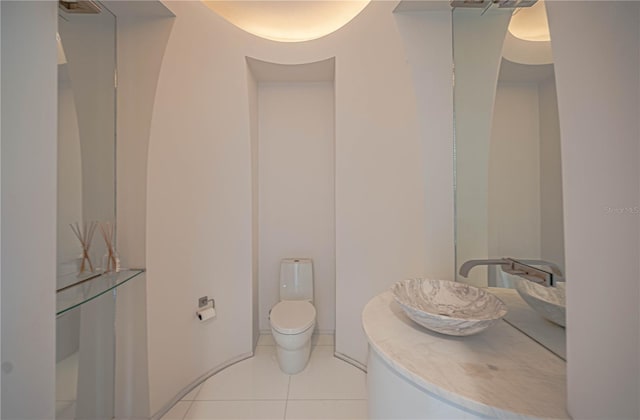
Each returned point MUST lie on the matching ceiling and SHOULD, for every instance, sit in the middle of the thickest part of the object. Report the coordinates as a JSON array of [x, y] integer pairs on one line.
[[288, 21]]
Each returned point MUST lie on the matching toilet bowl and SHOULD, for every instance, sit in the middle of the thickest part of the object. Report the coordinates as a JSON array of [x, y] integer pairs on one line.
[[292, 323], [293, 318]]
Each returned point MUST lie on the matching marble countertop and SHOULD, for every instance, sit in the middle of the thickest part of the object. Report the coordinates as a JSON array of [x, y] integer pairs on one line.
[[499, 372]]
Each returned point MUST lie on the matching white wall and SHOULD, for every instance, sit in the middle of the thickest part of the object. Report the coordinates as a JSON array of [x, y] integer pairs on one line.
[[600, 135], [430, 67], [296, 187], [199, 210], [0, 229], [143, 31], [381, 160], [29, 89], [131, 367], [551, 225], [513, 205]]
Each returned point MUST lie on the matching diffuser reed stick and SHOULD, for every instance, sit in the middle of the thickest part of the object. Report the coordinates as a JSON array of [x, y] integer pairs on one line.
[[111, 261], [85, 236]]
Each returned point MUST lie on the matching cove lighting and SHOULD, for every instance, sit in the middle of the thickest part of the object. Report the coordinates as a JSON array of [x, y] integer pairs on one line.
[[288, 21], [530, 24]]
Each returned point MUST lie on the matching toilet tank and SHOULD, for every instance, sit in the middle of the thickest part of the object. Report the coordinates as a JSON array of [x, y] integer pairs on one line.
[[296, 279]]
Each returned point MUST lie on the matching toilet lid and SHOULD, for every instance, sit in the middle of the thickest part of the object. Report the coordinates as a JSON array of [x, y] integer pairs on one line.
[[292, 316]]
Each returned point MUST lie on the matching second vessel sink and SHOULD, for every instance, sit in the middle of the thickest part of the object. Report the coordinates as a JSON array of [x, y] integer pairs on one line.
[[448, 307], [549, 302]]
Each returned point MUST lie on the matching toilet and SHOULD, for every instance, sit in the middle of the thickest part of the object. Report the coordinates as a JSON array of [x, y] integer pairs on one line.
[[294, 317]]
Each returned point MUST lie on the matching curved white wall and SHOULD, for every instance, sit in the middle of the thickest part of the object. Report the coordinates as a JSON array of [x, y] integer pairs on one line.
[[143, 31], [596, 49], [199, 228], [28, 260], [198, 206]]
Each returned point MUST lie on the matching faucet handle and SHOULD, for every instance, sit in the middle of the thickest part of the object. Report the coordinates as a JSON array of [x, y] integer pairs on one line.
[[555, 268]]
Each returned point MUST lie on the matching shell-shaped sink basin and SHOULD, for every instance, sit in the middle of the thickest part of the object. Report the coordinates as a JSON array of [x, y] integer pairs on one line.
[[549, 302], [448, 307]]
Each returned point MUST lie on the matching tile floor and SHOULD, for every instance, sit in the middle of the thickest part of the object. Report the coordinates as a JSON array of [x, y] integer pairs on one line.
[[255, 389]]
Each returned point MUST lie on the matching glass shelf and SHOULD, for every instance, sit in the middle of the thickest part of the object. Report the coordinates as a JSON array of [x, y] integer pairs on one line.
[[87, 290]]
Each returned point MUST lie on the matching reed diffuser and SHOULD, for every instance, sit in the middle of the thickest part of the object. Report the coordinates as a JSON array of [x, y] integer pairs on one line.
[[110, 261], [85, 236]]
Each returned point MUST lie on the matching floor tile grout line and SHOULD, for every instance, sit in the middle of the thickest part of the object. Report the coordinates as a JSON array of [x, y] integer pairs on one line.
[[327, 399], [280, 399], [245, 400], [315, 345], [239, 399], [288, 398], [184, 416], [286, 403]]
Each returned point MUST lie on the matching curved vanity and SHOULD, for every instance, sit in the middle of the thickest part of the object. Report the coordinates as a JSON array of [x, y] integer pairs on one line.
[[414, 373]]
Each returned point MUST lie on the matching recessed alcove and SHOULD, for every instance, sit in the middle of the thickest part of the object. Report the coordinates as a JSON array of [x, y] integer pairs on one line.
[[292, 114]]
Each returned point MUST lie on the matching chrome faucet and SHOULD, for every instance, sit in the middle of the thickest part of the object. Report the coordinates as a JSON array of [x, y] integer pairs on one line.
[[467, 266], [521, 268]]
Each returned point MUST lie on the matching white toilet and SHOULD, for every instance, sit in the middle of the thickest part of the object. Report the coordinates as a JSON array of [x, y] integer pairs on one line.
[[293, 318]]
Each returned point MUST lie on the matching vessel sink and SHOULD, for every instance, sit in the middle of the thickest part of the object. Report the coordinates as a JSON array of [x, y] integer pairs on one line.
[[448, 307], [549, 302]]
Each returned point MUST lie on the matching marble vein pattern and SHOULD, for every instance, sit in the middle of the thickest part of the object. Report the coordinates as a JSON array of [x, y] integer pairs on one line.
[[500, 373], [549, 302], [448, 307]]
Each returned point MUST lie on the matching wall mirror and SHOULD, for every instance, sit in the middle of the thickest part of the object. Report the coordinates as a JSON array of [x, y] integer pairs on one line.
[[508, 168], [86, 193], [86, 134]]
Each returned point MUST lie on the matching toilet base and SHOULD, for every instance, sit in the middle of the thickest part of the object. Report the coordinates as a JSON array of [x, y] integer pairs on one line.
[[293, 361]]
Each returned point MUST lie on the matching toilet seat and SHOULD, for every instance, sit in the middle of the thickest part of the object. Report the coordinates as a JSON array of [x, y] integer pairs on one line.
[[292, 316]]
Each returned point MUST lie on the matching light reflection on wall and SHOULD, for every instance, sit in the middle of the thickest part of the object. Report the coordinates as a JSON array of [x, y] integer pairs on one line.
[[530, 24], [288, 21]]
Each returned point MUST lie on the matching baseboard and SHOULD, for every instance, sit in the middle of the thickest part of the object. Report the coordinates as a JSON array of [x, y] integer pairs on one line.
[[165, 408], [351, 361]]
